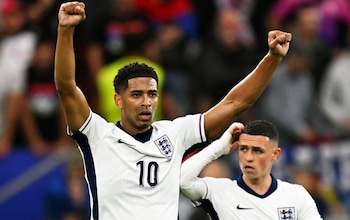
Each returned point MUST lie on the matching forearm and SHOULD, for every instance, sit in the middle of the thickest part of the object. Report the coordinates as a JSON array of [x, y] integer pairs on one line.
[[246, 92], [241, 97], [75, 106], [191, 185], [65, 60]]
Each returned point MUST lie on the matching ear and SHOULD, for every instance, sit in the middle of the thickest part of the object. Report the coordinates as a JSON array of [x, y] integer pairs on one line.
[[118, 100], [276, 153]]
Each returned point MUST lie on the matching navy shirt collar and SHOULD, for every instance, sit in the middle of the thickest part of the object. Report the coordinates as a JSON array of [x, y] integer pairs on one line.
[[142, 137], [246, 188]]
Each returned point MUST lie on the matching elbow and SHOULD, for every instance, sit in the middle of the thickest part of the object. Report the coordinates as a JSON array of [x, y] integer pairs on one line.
[[185, 181], [241, 106], [244, 103], [62, 92], [185, 189], [193, 190], [65, 88], [243, 98]]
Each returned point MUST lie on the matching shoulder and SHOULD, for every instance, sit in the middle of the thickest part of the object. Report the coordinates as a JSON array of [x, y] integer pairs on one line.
[[221, 187], [188, 130], [219, 182], [95, 122], [180, 121], [291, 187]]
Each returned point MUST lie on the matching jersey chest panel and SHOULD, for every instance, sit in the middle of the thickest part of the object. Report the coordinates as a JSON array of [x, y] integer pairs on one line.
[[241, 205], [135, 179]]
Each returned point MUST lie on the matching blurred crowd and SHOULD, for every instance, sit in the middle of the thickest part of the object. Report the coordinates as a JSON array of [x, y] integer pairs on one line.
[[200, 49]]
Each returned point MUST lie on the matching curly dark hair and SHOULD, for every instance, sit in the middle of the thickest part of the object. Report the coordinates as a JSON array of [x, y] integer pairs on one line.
[[130, 71]]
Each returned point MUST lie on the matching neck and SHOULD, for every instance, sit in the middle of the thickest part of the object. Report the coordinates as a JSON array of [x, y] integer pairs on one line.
[[259, 185]]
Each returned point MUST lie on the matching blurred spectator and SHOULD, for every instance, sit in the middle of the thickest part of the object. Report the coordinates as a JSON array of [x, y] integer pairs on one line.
[[282, 10], [259, 21], [43, 99], [224, 59], [288, 100], [105, 35], [17, 44], [244, 7], [335, 15], [41, 14], [176, 13], [68, 198], [142, 46], [326, 198], [107, 29], [175, 26], [205, 12], [335, 92], [303, 18], [313, 186], [306, 33]]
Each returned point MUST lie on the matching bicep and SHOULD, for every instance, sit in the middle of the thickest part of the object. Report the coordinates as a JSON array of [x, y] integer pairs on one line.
[[75, 107], [220, 117]]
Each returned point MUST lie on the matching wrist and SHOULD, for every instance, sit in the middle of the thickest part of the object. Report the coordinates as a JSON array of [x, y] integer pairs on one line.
[[65, 28], [222, 145], [273, 58]]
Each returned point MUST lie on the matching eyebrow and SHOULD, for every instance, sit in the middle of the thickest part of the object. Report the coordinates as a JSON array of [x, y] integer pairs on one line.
[[254, 147], [140, 90]]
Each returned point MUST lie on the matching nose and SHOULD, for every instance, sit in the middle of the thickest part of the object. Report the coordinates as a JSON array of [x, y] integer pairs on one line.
[[146, 100], [249, 155]]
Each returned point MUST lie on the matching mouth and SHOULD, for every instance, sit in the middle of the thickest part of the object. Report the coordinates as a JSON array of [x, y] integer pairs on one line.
[[145, 116], [248, 169]]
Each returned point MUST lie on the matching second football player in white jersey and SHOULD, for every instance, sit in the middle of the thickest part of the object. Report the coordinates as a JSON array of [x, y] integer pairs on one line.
[[256, 194]]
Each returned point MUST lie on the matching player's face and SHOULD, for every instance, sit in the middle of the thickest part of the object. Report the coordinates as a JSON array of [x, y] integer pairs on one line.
[[138, 104], [256, 155]]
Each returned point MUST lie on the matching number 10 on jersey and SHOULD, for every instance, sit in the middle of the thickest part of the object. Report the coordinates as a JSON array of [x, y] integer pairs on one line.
[[151, 173]]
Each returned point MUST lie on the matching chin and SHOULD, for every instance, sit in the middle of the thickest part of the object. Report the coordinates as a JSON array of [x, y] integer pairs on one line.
[[144, 125]]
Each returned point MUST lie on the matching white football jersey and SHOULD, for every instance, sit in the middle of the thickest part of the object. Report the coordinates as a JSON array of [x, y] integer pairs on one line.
[[233, 199], [129, 179]]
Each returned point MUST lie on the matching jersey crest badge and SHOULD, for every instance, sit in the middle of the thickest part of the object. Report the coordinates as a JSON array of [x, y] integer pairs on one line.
[[164, 145], [286, 213]]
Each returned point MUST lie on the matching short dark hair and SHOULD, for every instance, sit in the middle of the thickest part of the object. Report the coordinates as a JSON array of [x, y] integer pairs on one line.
[[262, 127], [130, 71]]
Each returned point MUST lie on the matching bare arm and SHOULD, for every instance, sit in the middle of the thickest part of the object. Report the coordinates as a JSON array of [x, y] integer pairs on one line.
[[245, 93], [75, 106]]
